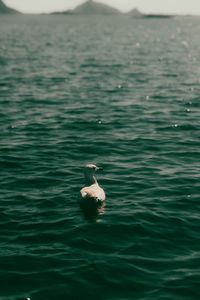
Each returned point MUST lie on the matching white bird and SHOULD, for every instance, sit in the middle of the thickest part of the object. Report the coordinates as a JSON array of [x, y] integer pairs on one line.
[[92, 194]]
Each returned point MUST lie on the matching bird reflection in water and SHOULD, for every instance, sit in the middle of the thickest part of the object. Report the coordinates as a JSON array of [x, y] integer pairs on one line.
[[92, 213]]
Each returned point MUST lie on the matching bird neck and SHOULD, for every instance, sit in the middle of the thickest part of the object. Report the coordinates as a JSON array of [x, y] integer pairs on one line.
[[90, 180]]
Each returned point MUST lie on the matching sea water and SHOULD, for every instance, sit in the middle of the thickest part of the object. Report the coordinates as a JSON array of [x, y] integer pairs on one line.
[[118, 92]]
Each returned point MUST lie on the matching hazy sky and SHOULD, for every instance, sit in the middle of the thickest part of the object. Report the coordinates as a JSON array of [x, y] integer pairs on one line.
[[159, 6]]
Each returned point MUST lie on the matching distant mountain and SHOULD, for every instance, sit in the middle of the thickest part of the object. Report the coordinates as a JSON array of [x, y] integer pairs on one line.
[[158, 16], [135, 13], [95, 8], [65, 12], [5, 9]]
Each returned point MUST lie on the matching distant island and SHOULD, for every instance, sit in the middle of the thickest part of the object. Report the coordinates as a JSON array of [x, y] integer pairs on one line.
[[157, 16], [65, 12], [91, 8], [135, 13], [6, 10]]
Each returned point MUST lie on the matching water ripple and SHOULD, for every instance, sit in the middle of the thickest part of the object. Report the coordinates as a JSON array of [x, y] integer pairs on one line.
[[119, 92]]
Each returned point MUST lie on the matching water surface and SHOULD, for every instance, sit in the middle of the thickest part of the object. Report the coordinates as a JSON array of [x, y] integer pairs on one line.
[[116, 91]]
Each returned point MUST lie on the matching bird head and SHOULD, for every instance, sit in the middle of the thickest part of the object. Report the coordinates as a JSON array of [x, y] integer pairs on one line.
[[90, 170]]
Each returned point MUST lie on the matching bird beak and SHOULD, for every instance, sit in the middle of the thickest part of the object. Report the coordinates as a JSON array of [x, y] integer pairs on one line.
[[100, 168]]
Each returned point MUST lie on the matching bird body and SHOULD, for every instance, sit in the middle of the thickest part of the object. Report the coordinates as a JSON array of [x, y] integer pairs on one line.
[[92, 193]]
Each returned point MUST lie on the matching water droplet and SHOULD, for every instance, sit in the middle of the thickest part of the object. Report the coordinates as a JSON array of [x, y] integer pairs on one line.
[[188, 110], [147, 97], [119, 86], [185, 43]]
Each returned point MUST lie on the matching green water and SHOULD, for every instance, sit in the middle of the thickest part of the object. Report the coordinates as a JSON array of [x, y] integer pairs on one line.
[[120, 92]]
